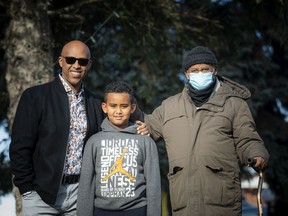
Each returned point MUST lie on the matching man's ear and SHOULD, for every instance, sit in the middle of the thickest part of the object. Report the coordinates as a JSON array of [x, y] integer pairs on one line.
[[133, 107], [186, 74], [60, 61], [89, 65], [216, 70], [104, 107]]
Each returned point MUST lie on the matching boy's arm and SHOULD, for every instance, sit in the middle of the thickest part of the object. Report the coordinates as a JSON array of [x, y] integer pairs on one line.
[[86, 190], [153, 179]]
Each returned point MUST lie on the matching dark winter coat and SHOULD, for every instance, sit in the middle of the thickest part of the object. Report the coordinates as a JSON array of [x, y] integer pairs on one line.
[[204, 146]]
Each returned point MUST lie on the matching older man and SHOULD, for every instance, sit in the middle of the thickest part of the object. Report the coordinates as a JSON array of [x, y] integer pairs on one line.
[[207, 128]]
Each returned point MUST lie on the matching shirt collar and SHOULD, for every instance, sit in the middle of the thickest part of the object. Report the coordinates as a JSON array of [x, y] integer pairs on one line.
[[68, 88]]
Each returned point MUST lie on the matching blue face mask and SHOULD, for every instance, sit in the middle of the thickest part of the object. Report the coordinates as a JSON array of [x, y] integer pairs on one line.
[[201, 80]]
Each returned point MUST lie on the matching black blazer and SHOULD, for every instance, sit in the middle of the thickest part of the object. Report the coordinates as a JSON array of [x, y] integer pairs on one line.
[[40, 134]]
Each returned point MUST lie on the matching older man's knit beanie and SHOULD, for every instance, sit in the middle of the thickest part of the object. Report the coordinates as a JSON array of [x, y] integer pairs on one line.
[[198, 55]]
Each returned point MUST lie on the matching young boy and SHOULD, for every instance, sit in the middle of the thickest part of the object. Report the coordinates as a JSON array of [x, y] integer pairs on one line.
[[120, 173]]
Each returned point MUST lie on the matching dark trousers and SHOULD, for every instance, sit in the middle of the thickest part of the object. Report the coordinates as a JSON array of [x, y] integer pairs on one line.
[[139, 212]]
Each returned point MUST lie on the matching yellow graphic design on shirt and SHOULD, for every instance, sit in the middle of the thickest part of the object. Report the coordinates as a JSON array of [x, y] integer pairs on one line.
[[118, 167]]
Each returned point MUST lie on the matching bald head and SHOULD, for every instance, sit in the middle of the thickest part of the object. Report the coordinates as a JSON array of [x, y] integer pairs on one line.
[[75, 62], [75, 46]]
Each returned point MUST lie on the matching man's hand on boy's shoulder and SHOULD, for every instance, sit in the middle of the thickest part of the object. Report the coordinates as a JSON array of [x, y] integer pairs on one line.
[[142, 128]]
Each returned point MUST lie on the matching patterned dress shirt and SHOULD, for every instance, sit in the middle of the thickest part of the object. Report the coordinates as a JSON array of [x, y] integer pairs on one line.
[[77, 131]]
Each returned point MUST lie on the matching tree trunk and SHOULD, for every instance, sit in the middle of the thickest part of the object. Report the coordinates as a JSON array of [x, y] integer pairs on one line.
[[28, 55]]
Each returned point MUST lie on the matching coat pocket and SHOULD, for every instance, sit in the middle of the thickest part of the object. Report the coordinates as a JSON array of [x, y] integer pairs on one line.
[[221, 187], [178, 192]]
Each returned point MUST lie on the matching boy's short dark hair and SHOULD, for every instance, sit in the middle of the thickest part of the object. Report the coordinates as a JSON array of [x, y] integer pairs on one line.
[[119, 87]]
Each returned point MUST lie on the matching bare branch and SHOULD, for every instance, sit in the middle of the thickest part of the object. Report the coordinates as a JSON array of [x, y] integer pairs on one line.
[[72, 8]]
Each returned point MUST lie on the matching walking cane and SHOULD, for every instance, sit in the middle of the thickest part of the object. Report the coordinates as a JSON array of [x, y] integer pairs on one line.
[[251, 162], [259, 200]]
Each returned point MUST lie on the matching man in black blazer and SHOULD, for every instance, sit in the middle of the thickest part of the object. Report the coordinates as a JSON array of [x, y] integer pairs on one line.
[[52, 124]]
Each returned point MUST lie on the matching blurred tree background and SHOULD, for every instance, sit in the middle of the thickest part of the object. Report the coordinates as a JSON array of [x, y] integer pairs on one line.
[[142, 42]]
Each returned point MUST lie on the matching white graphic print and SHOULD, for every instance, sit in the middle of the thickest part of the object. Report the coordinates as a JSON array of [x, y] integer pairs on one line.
[[118, 167]]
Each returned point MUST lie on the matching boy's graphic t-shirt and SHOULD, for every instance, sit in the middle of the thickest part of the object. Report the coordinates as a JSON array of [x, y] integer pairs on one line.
[[118, 167]]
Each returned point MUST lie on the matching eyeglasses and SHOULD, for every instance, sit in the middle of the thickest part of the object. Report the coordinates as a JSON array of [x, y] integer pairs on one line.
[[203, 70], [72, 60]]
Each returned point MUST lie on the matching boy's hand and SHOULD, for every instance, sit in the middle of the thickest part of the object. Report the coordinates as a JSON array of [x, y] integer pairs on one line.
[[142, 129]]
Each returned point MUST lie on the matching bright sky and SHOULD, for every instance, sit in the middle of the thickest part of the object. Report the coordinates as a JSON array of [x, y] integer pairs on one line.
[[7, 205], [3, 135]]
